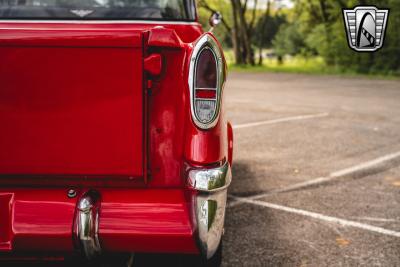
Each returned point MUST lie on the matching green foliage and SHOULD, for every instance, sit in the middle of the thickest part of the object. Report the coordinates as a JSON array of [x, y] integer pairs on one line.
[[267, 28], [318, 29], [288, 41], [313, 65]]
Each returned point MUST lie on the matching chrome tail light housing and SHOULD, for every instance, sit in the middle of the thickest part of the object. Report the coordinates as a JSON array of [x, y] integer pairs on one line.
[[206, 81]]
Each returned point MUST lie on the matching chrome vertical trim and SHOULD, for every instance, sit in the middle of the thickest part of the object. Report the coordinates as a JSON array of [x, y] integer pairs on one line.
[[209, 205], [87, 224], [210, 211]]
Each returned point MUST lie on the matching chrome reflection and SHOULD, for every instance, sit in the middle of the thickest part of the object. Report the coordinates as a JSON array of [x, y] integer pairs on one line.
[[210, 221], [209, 205], [87, 224], [210, 180]]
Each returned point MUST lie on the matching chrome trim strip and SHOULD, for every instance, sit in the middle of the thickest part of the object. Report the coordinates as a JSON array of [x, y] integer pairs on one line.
[[208, 99], [87, 224], [199, 88], [207, 41], [103, 22]]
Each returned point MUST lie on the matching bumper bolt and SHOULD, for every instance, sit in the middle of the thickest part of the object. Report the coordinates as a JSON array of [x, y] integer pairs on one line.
[[71, 193]]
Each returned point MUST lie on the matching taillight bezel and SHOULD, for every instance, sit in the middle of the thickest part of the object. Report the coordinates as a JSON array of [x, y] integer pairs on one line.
[[207, 41]]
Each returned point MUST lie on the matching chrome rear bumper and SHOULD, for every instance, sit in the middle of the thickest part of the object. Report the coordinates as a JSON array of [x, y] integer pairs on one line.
[[209, 205], [208, 211]]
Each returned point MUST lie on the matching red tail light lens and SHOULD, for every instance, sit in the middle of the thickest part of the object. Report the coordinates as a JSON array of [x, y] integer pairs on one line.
[[206, 70], [206, 93]]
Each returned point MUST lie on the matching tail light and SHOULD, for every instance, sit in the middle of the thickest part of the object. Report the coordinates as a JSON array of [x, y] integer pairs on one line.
[[206, 80]]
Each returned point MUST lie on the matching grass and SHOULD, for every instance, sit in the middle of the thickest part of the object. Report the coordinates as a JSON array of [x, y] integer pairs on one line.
[[315, 66], [293, 65]]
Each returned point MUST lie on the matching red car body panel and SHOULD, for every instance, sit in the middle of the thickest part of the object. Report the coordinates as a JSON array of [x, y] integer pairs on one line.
[[147, 220], [83, 119], [133, 146], [29, 214], [128, 221]]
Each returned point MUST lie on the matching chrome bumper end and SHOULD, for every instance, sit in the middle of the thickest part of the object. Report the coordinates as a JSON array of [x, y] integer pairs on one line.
[[209, 205]]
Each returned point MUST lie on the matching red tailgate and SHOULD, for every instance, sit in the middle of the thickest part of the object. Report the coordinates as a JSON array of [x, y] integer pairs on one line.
[[71, 102]]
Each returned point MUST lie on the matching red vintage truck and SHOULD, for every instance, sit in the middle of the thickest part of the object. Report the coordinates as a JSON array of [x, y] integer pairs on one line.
[[113, 136]]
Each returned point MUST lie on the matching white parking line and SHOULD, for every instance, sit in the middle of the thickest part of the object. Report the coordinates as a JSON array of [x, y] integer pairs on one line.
[[295, 118], [376, 219], [321, 217], [332, 176], [366, 165]]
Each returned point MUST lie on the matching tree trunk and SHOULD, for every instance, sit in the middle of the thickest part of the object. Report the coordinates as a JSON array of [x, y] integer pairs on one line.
[[264, 23], [235, 35], [325, 19], [244, 33]]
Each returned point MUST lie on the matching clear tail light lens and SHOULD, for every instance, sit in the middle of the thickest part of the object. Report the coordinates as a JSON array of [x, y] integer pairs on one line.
[[205, 110], [206, 82]]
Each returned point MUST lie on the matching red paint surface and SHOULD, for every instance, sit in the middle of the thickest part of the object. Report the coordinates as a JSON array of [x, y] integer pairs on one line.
[[153, 64], [39, 220], [5, 222], [187, 33], [146, 221], [89, 126], [230, 143], [164, 37], [167, 113], [67, 108], [39, 36]]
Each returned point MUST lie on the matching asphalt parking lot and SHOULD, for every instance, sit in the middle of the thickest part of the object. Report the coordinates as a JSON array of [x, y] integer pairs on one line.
[[316, 171]]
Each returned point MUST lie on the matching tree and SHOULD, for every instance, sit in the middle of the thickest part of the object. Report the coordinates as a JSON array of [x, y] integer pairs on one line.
[[288, 41], [267, 27], [264, 22], [241, 27]]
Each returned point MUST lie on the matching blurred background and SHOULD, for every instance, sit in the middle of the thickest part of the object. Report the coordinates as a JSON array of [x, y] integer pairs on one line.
[[316, 172], [306, 36]]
